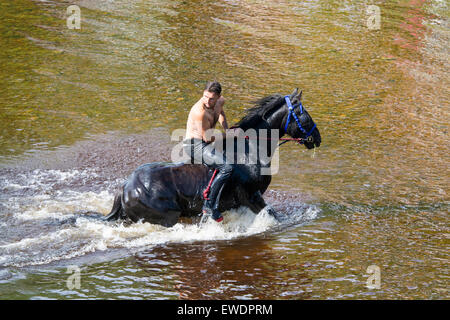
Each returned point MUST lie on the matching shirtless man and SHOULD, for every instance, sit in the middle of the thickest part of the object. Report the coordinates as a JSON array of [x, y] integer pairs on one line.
[[202, 117]]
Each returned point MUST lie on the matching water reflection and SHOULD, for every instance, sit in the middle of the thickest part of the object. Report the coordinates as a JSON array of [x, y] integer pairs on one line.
[[379, 97], [249, 269]]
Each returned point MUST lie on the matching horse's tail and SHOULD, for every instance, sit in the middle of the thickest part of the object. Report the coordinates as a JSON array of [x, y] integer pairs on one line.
[[117, 210]]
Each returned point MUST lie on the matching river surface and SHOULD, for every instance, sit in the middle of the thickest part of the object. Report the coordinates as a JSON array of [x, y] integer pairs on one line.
[[81, 109]]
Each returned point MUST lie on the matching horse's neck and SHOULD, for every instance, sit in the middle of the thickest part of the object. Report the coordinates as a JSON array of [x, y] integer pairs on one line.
[[275, 129], [267, 132], [276, 121]]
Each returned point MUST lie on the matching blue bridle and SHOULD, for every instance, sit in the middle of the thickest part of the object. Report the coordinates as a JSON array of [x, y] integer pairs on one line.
[[309, 137]]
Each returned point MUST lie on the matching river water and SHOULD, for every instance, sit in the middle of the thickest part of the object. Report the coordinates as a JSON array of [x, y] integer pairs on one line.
[[81, 109]]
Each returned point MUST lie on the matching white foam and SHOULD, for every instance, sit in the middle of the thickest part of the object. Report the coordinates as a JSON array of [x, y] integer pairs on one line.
[[88, 235], [80, 235], [45, 179], [63, 205], [236, 223]]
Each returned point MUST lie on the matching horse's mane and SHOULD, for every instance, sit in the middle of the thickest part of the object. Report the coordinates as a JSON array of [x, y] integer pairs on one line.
[[258, 112]]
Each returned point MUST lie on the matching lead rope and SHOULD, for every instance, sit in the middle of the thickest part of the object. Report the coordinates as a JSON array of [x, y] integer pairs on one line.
[[206, 192]]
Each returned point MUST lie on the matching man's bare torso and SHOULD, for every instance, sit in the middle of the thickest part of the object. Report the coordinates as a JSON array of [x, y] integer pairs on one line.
[[201, 118]]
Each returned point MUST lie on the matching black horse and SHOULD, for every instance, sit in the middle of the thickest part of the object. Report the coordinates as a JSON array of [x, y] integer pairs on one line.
[[162, 192]]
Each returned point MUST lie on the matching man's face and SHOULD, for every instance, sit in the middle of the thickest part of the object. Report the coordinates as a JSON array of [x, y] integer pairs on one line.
[[209, 99]]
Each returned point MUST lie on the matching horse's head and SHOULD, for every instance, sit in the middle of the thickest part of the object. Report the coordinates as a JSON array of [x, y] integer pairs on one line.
[[298, 123], [286, 114]]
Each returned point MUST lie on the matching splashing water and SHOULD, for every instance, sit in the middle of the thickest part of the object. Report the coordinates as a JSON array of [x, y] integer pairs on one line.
[[51, 223]]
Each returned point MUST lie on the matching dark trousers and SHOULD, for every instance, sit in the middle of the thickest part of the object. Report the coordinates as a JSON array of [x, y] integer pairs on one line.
[[205, 153]]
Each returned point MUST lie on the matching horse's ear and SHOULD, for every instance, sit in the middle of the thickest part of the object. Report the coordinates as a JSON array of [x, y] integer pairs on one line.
[[293, 94], [296, 97]]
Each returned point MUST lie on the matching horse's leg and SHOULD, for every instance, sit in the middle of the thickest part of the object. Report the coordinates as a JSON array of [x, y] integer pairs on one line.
[[254, 202], [257, 204]]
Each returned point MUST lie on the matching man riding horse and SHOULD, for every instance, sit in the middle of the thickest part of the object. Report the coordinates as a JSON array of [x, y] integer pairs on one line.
[[162, 192], [198, 145]]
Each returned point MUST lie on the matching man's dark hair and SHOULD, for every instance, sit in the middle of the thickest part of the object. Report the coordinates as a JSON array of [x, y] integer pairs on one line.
[[214, 86]]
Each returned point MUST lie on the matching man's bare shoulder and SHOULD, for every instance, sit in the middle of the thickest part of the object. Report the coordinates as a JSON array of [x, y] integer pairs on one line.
[[197, 112]]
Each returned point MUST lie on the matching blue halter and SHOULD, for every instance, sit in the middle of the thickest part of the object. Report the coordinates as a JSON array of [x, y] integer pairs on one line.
[[309, 138]]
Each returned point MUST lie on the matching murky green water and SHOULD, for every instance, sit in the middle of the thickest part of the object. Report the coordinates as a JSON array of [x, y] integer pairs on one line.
[[87, 98]]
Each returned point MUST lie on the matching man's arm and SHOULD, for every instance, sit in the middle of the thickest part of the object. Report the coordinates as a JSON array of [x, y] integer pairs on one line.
[[222, 118]]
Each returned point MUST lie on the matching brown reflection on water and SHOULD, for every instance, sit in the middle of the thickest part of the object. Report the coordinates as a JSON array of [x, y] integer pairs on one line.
[[249, 269], [404, 244]]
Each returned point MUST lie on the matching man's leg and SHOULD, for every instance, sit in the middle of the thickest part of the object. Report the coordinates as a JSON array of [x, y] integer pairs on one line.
[[202, 152], [217, 160]]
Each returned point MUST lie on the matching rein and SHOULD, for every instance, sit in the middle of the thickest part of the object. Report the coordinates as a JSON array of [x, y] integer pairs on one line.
[[299, 140]]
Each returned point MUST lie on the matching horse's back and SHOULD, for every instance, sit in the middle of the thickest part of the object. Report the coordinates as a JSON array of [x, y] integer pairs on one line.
[[147, 195], [160, 192], [167, 173]]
